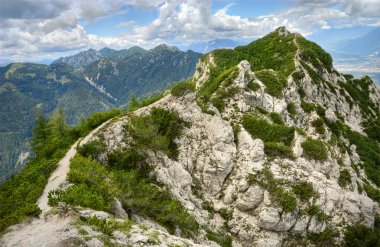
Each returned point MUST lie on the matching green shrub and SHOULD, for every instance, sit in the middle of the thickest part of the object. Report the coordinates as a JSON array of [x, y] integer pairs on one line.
[[156, 131], [222, 238], [276, 118], [360, 235], [292, 109], [226, 213], [372, 192], [287, 201], [262, 110], [344, 178], [254, 86], [324, 239], [307, 107], [298, 75], [282, 198], [182, 88], [315, 210], [128, 160], [212, 84], [91, 149], [301, 92], [304, 190], [314, 149], [319, 125], [78, 195], [260, 128], [277, 150], [108, 226], [274, 83]]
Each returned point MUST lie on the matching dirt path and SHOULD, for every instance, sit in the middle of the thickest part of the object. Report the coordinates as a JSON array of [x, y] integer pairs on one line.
[[52, 230], [58, 177]]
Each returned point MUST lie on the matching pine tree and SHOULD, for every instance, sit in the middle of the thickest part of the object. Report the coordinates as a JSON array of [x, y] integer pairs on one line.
[[40, 131]]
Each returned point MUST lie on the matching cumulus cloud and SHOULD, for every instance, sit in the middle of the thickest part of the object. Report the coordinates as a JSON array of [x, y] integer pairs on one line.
[[29, 28]]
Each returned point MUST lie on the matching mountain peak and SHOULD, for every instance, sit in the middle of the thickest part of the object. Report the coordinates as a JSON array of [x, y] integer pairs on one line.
[[166, 47]]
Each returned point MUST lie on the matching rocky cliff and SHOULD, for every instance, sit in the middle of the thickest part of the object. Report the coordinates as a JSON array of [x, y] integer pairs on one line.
[[267, 145]]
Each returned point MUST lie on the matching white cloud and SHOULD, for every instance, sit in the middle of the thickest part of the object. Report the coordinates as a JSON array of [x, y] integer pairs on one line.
[[31, 28]]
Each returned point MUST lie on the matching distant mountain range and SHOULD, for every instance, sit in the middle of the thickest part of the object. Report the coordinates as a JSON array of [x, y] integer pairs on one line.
[[87, 82], [368, 44], [207, 46]]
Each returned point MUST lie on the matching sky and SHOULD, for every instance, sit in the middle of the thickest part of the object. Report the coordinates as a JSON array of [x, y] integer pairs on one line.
[[34, 30]]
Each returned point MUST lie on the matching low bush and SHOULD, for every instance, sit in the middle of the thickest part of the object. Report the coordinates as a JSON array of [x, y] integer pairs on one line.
[[254, 86], [372, 192], [360, 235], [274, 83], [182, 88], [344, 178], [276, 118], [222, 238], [277, 150], [319, 125], [307, 107], [292, 109], [326, 238], [156, 131], [314, 149], [284, 199], [91, 149], [260, 128], [315, 210], [304, 190]]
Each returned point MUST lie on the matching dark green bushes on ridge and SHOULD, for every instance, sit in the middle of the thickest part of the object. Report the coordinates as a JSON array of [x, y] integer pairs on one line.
[[314, 149]]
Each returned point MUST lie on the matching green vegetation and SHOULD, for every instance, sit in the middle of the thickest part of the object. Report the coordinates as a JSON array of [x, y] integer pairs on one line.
[[319, 125], [274, 83], [312, 52], [276, 118], [360, 235], [91, 149], [314, 149], [277, 137], [358, 89], [307, 107], [222, 238], [315, 210], [304, 190], [298, 75], [344, 178], [277, 150], [128, 176], [260, 128], [326, 238], [254, 86], [135, 103], [106, 227], [372, 192], [368, 149], [292, 109], [156, 131], [273, 51], [213, 83], [138, 192], [52, 138], [284, 199], [182, 88]]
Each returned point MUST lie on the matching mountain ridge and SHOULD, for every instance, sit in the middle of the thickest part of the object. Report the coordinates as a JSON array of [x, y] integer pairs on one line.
[[266, 145]]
